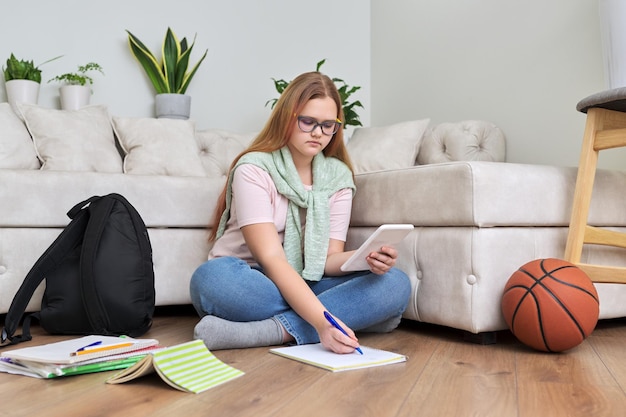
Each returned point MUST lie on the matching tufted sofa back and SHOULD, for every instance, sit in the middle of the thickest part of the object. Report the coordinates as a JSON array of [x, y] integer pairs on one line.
[[469, 140], [218, 148]]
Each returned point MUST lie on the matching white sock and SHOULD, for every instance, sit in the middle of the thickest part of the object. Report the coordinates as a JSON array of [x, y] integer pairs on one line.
[[217, 333]]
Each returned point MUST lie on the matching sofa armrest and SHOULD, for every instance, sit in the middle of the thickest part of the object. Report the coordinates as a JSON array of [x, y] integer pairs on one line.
[[483, 194]]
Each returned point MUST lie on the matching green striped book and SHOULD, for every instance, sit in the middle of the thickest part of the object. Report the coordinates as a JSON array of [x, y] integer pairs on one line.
[[189, 367]]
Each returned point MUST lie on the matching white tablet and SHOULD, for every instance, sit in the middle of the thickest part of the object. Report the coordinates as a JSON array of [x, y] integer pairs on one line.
[[385, 235]]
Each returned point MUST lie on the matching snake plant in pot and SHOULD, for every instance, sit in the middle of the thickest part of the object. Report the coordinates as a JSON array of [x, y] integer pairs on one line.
[[171, 75]]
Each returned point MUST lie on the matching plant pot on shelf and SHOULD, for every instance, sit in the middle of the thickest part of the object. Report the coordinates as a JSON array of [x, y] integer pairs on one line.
[[73, 97], [22, 91], [173, 106]]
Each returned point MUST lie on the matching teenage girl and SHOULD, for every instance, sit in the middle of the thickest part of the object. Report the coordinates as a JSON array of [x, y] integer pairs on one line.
[[279, 232]]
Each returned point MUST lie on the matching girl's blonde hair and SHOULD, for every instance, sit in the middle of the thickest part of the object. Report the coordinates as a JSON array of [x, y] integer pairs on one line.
[[279, 127]]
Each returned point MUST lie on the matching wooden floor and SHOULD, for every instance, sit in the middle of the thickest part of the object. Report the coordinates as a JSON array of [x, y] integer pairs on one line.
[[444, 376]]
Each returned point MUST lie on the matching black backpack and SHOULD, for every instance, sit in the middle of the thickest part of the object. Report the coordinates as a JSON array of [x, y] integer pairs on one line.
[[99, 275]]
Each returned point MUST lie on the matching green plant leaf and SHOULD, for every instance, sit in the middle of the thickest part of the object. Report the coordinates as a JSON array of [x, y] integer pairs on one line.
[[171, 54], [271, 102], [280, 86], [23, 70], [183, 78], [169, 76], [181, 67], [149, 63], [191, 73], [79, 77]]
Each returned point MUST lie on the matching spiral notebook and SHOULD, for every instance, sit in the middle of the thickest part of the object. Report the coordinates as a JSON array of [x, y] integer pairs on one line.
[[317, 355], [79, 350]]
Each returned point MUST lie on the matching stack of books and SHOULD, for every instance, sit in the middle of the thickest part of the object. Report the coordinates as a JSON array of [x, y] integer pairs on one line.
[[189, 366], [77, 356]]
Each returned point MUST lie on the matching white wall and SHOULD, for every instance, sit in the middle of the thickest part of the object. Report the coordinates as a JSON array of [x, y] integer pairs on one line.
[[522, 64], [249, 42]]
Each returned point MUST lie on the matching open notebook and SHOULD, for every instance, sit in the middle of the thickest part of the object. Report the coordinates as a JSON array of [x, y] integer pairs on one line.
[[317, 355], [189, 367]]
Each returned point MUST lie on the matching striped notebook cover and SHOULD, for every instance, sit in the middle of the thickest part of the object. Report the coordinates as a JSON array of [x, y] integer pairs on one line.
[[188, 367]]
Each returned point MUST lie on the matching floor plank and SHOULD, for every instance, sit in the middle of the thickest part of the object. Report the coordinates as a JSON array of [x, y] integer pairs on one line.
[[366, 392], [464, 379]]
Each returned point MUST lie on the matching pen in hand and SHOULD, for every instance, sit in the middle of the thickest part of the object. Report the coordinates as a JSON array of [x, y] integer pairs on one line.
[[332, 321]]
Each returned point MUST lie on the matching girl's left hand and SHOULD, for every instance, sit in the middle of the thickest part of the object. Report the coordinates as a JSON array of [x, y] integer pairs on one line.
[[381, 262]]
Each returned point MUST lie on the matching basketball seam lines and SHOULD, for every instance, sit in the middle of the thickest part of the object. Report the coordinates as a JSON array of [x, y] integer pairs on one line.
[[538, 281]]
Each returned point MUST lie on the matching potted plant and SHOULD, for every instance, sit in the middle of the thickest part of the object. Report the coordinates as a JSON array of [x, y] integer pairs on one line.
[[22, 80], [169, 76], [345, 91], [76, 89]]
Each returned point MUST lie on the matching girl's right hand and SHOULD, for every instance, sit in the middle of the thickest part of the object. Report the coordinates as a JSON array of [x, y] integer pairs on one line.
[[334, 340]]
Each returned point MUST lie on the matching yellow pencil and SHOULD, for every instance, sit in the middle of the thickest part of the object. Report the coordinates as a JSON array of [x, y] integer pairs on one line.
[[101, 349]]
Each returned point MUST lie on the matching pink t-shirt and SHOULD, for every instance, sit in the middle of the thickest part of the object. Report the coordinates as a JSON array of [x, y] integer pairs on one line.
[[256, 200]]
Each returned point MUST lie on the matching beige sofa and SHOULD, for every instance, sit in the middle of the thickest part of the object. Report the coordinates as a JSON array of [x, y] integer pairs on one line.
[[476, 223], [476, 220]]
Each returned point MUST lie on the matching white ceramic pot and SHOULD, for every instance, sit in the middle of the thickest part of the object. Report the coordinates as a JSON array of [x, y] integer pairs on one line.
[[173, 106], [73, 97], [22, 91]]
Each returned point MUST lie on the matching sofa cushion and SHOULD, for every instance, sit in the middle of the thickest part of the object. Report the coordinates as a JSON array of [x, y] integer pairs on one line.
[[17, 150], [158, 146], [389, 147], [73, 140], [218, 149], [470, 140]]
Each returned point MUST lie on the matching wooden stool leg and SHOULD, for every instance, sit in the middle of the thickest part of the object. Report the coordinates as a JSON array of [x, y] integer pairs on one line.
[[584, 187], [605, 129]]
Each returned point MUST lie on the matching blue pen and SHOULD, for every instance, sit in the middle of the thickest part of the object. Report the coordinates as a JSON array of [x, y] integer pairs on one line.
[[99, 342], [332, 321]]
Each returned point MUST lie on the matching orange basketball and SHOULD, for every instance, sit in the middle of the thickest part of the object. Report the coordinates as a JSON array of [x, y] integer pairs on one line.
[[550, 305]]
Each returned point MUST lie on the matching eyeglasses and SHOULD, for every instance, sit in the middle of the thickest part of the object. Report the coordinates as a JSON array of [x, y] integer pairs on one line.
[[308, 124]]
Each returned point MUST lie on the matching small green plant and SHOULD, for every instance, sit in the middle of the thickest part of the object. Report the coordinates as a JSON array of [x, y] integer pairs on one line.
[[19, 69], [170, 75], [345, 91], [79, 77]]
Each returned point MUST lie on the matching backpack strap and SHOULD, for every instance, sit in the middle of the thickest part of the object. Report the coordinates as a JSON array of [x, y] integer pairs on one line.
[[99, 216], [70, 237]]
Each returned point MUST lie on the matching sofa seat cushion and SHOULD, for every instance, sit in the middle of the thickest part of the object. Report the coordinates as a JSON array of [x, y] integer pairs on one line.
[[42, 198], [483, 194]]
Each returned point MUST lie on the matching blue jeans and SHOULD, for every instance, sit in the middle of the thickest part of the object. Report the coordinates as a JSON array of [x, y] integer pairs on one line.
[[229, 288]]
